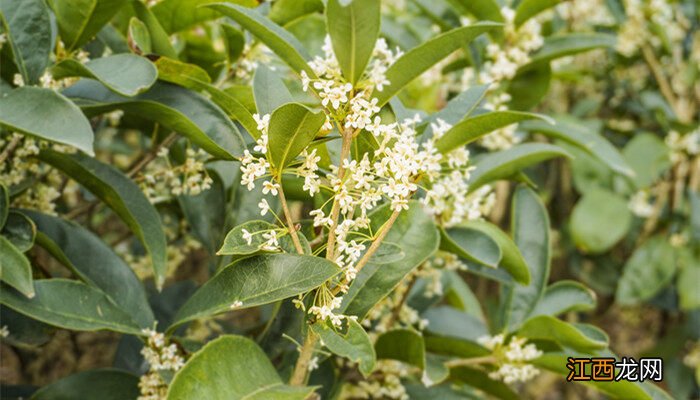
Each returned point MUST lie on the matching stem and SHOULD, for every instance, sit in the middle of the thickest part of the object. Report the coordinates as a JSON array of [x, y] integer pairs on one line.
[[14, 142], [151, 155], [335, 210], [301, 368], [290, 223], [470, 361], [660, 78], [396, 312]]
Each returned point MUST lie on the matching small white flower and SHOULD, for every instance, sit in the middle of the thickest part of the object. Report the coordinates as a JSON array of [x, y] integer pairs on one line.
[[269, 187], [247, 236], [264, 206]]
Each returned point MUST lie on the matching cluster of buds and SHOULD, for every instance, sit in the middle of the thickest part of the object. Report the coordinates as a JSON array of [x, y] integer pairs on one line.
[[512, 358], [161, 357]]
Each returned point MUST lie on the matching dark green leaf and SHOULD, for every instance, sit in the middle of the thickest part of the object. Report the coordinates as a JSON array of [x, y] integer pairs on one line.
[[407, 345], [104, 384], [565, 296], [647, 271], [80, 20], [121, 195], [449, 322], [269, 90], [15, 269], [472, 244], [599, 220], [27, 25], [160, 42], [47, 115], [479, 379], [206, 213], [529, 8], [354, 344], [20, 231], [292, 128], [567, 335], [4, 204]]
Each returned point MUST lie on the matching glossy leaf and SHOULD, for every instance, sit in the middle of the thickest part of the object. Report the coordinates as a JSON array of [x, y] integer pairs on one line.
[[506, 163], [79, 250], [80, 20], [292, 128], [472, 244], [27, 26], [565, 45], [269, 90], [597, 229], [125, 74], [353, 27], [254, 281], [70, 305], [280, 41], [416, 234], [105, 384], [160, 42], [354, 344], [647, 271], [19, 230], [123, 196], [564, 296], [139, 36], [176, 108], [15, 269], [581, 136], [234, 368], [567, 335], [419, 59], [47, 115]]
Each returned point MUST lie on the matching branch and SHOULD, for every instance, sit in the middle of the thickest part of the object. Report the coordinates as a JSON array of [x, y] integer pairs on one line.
[[290, 223]]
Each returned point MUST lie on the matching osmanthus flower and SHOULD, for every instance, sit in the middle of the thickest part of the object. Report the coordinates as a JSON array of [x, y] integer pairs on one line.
[[511, 358], [160, 356], [162, 179]]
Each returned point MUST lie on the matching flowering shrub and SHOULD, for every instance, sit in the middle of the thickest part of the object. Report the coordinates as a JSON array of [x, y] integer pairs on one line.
[[347, 199]]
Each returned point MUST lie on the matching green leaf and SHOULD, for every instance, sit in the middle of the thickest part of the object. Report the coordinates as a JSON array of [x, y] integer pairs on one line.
[[408, 346], [449, 322], [506, 163], [176, 108], [280, 41], [421, 58], [4, 204], [565, 45], [530, 227], [416, 234], [20, 231], [648, 156], [27, 26], [472, 244], [599, 220], [529, 86], [529, 8], [123, 196], [483, 9], [647, 271], [565, 296], [234, 244], [269, 90], [47, 115], [80, 20], [234, 368], [70, 305], [511, 260], [24, 331], [235, 42], [178, 15], [206, 212], [160, 42], [15, 269], [687, 282], [292, 128], [254, 281], [125, 74], [354, 344], [571, 131], [283, 12], [105, 384], [139, 36], [354, 28], [567, 335], [95, 263], [472, 128], [458, 108], [479, 379]]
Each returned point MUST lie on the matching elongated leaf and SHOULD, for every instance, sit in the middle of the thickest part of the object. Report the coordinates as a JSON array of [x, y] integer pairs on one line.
[[121, 195], [94, 263], [176, 108], [596, 229], [506, 163], [473, 128], [421, 58], [449, 322], [458, 108], [70, 305], [139, 36], [269, 90], [160, 42], [47, 115], [15, 269], [416, 234], [353, 27], [483, 9], [206, 212], [292, 128], [565, 45], [354, 344], [530, 227], [529, 8], [479, 379], [24, 330], [254, 281], [125, 74], [581, 136], [651, 267], [105, 384], [235, 368], [20, 231], [27, 26], [512, 260], [565, 296], [235, 244], [4, 204], [80, 20], [567, 335], [283, 12], [280, 41], [472, 244], [688, 277], [407, 345], [529, 86], [178, 15], [193, 77]]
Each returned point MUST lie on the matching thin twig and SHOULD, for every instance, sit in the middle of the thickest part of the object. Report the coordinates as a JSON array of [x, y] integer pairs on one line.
[[290, 223], [151, 155], [335, 209], [301, 368], [664, 86], [14, 142]]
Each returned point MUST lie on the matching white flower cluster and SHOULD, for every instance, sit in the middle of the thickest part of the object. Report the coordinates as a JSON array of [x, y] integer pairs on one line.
[[160, 357], [683, 146], [162, 179], [431, 271], [251, 58], [512, 358], [639, 204], [503, 138], [4, 332], [255, 167], [383, 317], [384, 383], [583, 14], [635, 31]]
